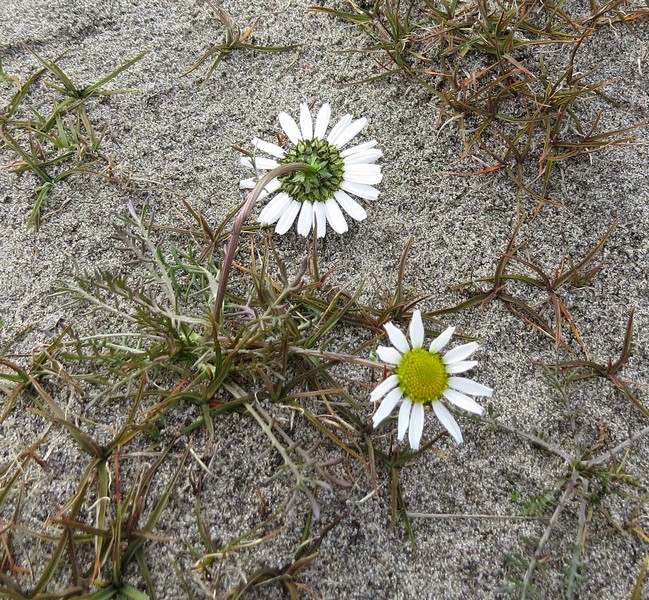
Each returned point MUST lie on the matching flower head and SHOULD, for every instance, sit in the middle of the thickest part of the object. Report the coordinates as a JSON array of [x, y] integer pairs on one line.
[[317, 197], [423, 377]]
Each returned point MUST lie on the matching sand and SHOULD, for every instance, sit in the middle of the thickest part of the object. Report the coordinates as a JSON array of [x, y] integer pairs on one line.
[[171, 140]]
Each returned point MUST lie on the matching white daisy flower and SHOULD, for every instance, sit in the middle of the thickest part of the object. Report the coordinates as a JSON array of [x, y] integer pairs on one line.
[[423, 377], [316, 199]]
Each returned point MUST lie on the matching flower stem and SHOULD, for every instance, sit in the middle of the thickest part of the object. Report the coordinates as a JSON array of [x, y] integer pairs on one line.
[[315, 273], [238, 225]]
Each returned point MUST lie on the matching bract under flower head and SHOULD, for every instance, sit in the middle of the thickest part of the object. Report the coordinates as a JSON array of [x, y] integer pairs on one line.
[[422, 377], [317, 197]]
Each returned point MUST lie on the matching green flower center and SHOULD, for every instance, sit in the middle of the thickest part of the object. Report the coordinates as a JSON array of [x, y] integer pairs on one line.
[[422, 375], [327, 175]]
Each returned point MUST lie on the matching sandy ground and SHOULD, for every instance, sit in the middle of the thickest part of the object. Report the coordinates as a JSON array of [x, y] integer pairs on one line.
[[175, 139]]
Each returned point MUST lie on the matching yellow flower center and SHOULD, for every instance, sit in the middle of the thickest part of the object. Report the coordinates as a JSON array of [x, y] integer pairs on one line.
[[422, 375]]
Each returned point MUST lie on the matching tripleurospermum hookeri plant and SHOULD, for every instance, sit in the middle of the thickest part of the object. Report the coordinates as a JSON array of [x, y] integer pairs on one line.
[[423, 377], [316, 197]]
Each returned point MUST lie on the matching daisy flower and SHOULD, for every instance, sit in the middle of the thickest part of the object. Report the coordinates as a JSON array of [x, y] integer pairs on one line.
[[423, 377], [319, 196]]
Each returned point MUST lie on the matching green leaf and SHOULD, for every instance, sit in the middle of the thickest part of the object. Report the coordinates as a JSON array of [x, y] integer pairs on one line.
[[95, 86], [130, 592]]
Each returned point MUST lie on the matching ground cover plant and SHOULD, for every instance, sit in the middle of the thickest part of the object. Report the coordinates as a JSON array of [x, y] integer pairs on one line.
[[209, 327], [515, 113], [64, 143]]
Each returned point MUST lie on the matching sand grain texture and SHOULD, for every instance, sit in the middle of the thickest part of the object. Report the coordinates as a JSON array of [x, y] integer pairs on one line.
[[173, 139]]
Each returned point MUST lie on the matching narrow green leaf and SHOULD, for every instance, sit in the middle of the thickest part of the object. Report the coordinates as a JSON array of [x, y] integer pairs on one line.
[[53, 68], [133, 593], [95, 86]]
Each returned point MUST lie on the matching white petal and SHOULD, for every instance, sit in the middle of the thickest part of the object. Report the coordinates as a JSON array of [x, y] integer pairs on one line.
[[387, 406], [404, 418], [362, 190], [320, 215], [350, 206], [358, 148], [287, 219], [260, 163], [305, 222], [416, 425], [468, 386], [322, 121], [273, 186], [338, 129], [441, 340], [446, 419], [460, 366], [460, 353], [335, 216], [369, 156], [268, 148], [290, 127], [416, 329], [275, 208], [306, 123], [388, 355], [384, 387], [349, 133], [366, 174], [397, 338], [462, 401]]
